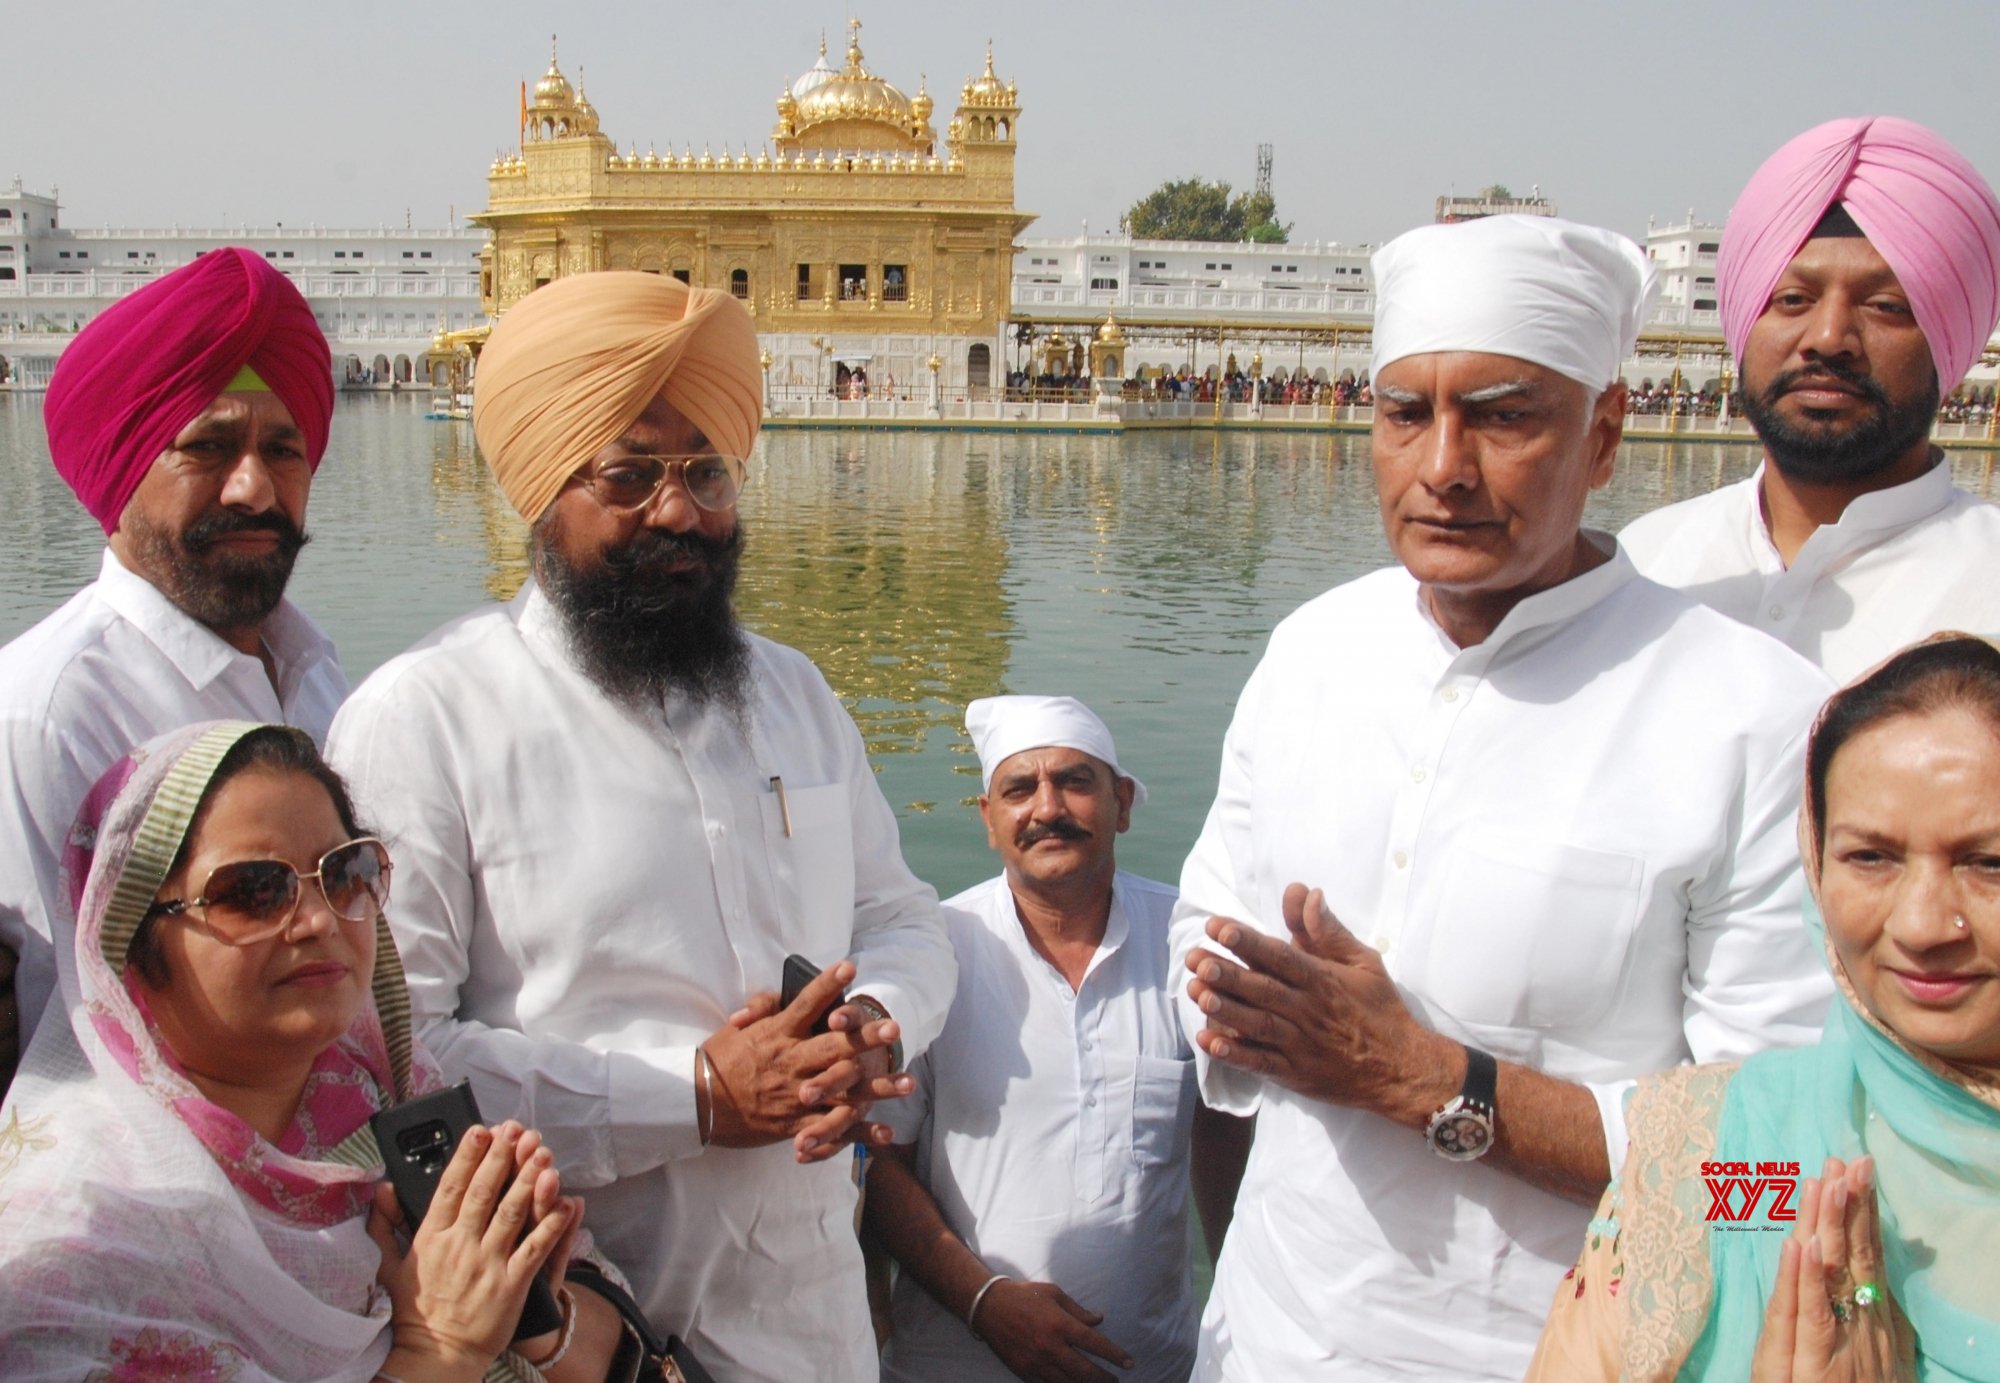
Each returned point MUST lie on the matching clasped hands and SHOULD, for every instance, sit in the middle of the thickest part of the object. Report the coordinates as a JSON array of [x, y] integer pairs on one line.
[[1315, 1012], [1818, 1326], [772, 1078]]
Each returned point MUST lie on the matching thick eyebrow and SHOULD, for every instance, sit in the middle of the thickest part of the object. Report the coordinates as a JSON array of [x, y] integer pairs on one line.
[[696, 444], [1397, 394], [1507, 389]]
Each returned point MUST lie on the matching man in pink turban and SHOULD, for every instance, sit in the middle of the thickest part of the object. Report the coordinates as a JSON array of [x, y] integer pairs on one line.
[[189, 418], [1860, 281], [617, 813]]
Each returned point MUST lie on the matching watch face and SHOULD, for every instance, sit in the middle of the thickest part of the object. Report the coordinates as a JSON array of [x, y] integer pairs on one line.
[[1461, 1135]]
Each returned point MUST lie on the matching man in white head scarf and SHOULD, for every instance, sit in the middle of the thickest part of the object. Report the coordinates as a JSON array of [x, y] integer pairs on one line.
[[1498, 830], [1037, 1191]]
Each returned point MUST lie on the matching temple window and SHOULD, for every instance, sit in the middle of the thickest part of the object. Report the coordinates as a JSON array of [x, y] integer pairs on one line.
[[805, 283], [739, 284], [853, 282], [895, 283]]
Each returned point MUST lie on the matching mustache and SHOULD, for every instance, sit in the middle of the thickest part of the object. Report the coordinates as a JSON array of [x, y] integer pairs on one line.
[[199, 536], [1063, 829], [1861, 384], [657, 549]]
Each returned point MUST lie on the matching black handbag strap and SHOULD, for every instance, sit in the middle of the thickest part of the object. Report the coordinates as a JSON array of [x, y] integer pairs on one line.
[[659, 1352]]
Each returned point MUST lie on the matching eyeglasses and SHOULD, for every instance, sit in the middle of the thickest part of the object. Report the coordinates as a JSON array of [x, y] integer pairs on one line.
[[253, 900], [630, 482]]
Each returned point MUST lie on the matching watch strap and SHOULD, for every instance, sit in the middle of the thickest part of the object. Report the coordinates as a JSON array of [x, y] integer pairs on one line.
[[1482, 1080]]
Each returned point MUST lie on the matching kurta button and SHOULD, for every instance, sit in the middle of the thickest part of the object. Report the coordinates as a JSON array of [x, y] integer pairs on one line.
[[1402, 860], [1417, 774], [1450, 693], [1777, 612]]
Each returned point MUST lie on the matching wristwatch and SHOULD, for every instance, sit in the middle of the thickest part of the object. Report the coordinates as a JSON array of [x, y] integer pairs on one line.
[[1462, 1130], [878, 1014]]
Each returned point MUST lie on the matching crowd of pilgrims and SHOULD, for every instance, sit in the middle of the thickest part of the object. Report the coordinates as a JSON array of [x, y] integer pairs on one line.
[[1603, 982]]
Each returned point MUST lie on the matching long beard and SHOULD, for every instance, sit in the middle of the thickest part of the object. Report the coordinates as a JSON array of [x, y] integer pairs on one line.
[[1816, 455], [222, 590], [643, 630]]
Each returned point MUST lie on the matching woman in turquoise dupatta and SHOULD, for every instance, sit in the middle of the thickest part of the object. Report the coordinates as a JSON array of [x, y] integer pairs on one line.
[[1892, 1268]]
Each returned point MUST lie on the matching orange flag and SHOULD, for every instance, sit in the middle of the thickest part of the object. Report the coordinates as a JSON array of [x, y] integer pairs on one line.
[[521, 129]]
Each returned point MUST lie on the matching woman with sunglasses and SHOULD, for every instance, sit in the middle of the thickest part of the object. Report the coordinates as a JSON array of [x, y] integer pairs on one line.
[[188, 1181]]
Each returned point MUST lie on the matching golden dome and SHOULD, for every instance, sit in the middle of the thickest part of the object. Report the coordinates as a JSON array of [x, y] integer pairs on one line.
[[921, 104], [853, 93], [987, 89], [553, 90]]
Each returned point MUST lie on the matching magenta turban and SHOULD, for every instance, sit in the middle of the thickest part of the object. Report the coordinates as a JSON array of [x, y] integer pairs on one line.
[[148, 365], [1921, 205]]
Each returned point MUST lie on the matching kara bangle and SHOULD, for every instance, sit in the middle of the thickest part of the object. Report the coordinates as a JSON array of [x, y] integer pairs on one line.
[[704, 1078], [972, 1311], [567, 1302]]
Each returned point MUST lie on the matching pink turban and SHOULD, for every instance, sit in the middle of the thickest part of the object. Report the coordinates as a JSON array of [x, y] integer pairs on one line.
[[575, 363], [1921, 205], [148, 365]]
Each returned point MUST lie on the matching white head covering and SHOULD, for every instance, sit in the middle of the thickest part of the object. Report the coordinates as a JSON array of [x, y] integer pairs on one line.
[[1550, 292], [1003, 726]]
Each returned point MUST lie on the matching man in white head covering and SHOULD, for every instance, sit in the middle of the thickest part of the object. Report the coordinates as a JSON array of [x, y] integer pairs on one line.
[[1499, 829], [1037, 1191]]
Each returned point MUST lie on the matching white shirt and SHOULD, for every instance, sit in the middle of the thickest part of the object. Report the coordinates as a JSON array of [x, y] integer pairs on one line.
[[118, 664], [1573, 845], [1901, 564], [584, 892], [1052, 1128]]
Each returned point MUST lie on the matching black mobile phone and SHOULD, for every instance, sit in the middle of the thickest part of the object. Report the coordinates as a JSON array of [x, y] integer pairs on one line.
[[800, 972], [417, 1139]]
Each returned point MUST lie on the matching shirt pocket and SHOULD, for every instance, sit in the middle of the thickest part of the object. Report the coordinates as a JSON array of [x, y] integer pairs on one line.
[[1531, 933], [813, 866], [1163, 1096]]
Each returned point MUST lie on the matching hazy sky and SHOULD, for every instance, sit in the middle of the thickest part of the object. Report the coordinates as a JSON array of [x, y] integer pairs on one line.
[[218, 112]]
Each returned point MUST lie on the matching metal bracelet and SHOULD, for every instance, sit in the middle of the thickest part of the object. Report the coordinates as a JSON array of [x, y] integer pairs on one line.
[[979, 1296], [704, 1116]]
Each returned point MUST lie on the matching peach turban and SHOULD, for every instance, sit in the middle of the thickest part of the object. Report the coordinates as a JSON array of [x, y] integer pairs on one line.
[[573, 364], [149, 364], [1922, 206]]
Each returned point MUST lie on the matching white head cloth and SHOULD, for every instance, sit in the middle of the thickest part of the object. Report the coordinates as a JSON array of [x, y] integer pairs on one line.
[[1003, 726], [1550, 292]]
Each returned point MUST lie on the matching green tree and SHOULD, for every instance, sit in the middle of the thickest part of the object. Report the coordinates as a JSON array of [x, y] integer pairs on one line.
[[1188, 209], [1195, 209]]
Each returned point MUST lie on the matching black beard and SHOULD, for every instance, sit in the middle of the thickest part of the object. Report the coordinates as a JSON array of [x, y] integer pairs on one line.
[[223, 590], [1815, 456], [641, 629]]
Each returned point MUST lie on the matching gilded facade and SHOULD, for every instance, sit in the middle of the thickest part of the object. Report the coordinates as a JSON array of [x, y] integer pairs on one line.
[[859, 238]]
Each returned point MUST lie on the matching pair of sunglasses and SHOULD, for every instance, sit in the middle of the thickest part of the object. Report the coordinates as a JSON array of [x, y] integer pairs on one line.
[[252, 900]]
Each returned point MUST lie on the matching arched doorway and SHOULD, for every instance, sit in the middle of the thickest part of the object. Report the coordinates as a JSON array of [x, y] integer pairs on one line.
[[979, 369]]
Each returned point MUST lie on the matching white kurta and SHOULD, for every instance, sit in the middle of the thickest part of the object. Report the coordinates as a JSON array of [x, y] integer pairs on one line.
[[1052, 1128], [118, 664], [585, 892], [1573, 844], [1902, 563]]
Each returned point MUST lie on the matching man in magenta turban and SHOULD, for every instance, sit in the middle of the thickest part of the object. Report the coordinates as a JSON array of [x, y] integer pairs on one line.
[[189, 418], [1860, 282]]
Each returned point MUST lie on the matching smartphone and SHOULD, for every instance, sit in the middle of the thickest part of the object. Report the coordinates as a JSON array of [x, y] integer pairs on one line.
[[417, 1139], [800, 972]]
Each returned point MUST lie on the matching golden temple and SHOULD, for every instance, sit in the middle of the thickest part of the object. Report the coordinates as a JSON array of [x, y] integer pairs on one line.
[[855, 235]]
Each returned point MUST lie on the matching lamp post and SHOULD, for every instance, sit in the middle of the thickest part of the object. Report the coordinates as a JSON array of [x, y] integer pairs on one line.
[[1257, 384], [764, 363], [937, 403]]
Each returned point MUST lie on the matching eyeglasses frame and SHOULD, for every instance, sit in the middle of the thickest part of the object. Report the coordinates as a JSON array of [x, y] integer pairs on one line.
[[184, 907]]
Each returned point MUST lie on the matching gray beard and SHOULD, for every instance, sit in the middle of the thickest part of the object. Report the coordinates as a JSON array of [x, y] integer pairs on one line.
[[643, 633]]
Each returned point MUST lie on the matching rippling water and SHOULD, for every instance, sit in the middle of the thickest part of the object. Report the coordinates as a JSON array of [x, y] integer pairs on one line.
[[919, 570]]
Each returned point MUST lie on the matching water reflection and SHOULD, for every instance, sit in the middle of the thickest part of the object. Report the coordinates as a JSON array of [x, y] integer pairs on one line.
[[919, 571]]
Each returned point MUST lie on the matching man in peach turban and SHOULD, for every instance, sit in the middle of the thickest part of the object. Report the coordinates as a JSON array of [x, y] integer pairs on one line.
[[1860, 282], [189, 418], [617, 813]]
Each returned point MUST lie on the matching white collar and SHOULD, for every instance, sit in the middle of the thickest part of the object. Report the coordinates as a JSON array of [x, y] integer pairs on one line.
[[1556, 605], [1898, 506], [198, 652]]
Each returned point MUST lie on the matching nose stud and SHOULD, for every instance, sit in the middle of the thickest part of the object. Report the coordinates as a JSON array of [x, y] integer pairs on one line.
[[1958, 922]]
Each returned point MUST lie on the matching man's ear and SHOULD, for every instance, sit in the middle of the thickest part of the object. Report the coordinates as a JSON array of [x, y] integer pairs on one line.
[[1124, 788], [1607, 431], [986, 817]]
